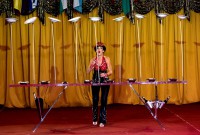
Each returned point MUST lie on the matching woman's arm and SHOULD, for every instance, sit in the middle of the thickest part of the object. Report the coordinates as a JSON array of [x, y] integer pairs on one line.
[[91, 65], [109, 70]]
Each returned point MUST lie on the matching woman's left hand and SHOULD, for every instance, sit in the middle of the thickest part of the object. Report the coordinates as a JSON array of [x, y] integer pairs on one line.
[[103, 75]]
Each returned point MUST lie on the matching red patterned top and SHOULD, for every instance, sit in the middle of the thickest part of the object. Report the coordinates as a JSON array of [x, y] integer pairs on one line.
[[103, 66]]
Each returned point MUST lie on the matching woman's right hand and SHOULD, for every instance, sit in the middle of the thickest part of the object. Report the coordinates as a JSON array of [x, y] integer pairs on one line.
[[91, 65]]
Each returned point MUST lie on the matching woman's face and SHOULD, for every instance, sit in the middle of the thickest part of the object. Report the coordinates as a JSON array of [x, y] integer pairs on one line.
[[99, 50]]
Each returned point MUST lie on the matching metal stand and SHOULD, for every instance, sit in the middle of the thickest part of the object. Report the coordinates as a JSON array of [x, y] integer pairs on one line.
[[39, 103], [42, 118], [157, 103], [154, 115], [74, 20], [96, 19], [53, 20], [148, 104], [11, 21]]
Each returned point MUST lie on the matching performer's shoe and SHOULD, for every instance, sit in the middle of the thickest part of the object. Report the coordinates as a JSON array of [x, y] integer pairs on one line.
[[101, 125], [94, 123]]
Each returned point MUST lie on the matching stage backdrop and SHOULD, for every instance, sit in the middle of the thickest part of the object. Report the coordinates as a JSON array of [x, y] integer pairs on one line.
[[149, 48]]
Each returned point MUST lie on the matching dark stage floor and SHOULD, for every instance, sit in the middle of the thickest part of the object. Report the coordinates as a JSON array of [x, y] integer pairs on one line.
[[122, 119]]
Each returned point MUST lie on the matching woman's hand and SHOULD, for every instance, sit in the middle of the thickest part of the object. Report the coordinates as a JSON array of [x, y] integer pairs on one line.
[[103, 75], [91, 65]]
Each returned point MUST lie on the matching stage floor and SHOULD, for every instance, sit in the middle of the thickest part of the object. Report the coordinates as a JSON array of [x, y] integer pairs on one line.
[[122, 119]]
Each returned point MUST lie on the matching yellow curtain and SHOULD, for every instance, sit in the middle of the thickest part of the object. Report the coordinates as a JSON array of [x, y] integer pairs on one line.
[[148, 48]]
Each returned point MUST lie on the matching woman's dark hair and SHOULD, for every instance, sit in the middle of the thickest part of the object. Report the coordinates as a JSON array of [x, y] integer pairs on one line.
[[99, 44]]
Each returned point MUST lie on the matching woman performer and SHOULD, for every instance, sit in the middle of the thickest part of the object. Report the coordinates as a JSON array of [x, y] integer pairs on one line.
[[102, 69]]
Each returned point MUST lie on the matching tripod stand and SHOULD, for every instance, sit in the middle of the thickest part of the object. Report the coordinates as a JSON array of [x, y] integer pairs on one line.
[[145, 102], [42, 118], [157, 104]]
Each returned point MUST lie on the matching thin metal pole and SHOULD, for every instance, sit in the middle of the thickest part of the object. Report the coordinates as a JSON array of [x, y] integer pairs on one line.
[[95, 32], [33, 54], [182, 52], [139, 51], [120, 53], [76, 57], [54, 53], [161, 48], [12, 55]]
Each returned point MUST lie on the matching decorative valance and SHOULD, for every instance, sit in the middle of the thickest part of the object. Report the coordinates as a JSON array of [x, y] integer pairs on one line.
[[112, 7]]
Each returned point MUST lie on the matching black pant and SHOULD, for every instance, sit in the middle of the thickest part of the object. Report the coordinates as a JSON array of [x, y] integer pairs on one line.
[[95, 98]]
